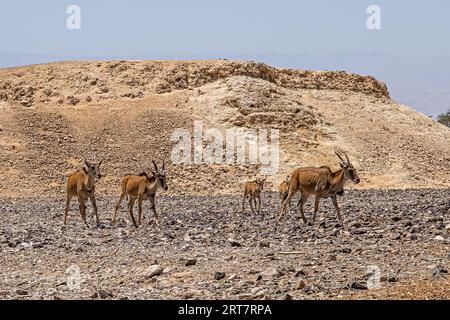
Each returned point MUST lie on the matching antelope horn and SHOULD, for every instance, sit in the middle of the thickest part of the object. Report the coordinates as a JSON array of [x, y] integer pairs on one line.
[[342, 160], [164, 165], [154, 164], [85, 160], [346, 156], [100, 162]]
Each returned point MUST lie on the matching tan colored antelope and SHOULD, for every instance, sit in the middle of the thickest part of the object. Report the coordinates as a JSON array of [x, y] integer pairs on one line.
[[322, 183], [142, 187], [81, 184], [252, 191]]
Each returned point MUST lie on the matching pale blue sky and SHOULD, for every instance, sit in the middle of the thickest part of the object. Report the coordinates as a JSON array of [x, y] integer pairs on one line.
[[221, 27], [411, 53]]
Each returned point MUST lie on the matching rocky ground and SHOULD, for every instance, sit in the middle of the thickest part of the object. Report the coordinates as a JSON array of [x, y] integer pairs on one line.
[[206, 248]]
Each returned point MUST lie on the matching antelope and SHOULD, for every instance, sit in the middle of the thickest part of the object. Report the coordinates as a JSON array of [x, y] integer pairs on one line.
[[142, 187], [284, 188], [322, 183], [81, 184], [252, 190]]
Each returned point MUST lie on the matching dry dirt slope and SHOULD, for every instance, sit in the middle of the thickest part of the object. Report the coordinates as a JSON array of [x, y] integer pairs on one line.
[[125, 112]]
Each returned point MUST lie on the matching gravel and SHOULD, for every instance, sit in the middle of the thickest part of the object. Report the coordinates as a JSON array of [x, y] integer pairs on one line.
[[42, 258]]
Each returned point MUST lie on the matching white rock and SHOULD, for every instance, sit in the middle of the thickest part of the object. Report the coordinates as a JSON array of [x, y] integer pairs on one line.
[[439, 238], [154, 270], [270, 273]]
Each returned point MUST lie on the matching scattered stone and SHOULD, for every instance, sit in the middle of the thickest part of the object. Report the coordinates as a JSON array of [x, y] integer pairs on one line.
[[21, 292], [234, 243], [287, 296], [439, 238], [355, 225], [219, 275], [50, 291], [270, 273], [264, 244], [154, 270], [300, 273], [232, 277], [440, 272], [359, 286], [73, 100], [259, 292], [301, 284], [190, 262], [104, 294], [393, 279], [396, 236]]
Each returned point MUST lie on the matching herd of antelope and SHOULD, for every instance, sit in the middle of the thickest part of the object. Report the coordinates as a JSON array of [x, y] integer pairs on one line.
[[318, 181]]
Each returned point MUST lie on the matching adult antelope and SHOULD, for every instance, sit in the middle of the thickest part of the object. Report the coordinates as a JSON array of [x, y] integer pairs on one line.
[[252, 191], [322, 183], [81, 184], [142, 187]]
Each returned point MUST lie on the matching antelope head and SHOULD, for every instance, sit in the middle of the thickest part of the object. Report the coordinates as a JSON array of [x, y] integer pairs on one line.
[[160, 175], [260, 182], [349, 169], [93, 172]]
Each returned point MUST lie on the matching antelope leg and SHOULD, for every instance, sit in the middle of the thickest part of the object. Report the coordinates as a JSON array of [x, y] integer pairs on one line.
[[303, 200], [316, 207], [130, 210], [94, 205], [334, 199], [69, 198], [122, 195]]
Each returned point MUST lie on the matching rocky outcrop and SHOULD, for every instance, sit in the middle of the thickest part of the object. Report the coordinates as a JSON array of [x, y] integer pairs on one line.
[[68, 83]]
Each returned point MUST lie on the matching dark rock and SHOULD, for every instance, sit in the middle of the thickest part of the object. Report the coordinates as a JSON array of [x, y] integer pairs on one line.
[[393, 279], [440, 272], [287, 296], [73, 100], [358, 286], [300, 273], [190, 262], [219, 275], [21, 292], [104, 294], [234, 243]]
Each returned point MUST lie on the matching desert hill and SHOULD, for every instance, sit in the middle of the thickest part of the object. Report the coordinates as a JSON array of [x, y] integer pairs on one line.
[[125, 112]]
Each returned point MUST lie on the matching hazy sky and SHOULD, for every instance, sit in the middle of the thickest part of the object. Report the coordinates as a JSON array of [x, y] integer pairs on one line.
[[221, 27]]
